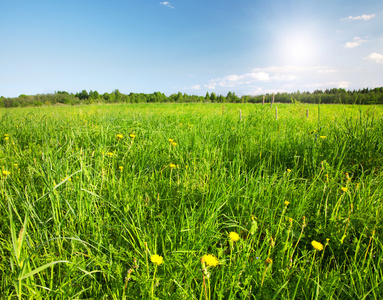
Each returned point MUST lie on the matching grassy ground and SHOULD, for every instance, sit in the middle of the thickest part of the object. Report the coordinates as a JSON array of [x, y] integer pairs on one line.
[[187, 201]]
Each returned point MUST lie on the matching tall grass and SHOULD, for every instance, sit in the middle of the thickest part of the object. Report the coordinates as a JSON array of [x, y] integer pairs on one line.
[[93, 208]]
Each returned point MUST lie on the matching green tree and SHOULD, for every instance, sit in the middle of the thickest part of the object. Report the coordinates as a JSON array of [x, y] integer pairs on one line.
[[83, 95]]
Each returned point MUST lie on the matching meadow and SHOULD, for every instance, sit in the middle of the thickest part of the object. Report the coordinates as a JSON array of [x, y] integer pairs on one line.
[[188, 201]]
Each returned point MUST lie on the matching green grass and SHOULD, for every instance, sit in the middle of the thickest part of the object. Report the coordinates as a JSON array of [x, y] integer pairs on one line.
[[82, 211]]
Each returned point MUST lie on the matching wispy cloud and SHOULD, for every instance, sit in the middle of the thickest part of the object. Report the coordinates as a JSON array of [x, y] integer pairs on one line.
[[266, 75], [196, 87], [355, 43], [376, 57], [358, 18], [167, 4]]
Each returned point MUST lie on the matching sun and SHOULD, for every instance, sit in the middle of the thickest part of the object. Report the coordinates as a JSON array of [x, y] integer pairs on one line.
[[299, 48]]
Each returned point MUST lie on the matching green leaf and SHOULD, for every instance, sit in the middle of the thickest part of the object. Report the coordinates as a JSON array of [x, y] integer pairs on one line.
[[42, 268], [22, 235]]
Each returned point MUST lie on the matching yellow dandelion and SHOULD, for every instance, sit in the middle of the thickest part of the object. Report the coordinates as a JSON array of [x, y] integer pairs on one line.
[[318, 246], [323, 137], [132, 135], [119, 136], [121, 168], [156, 259], [15, 165], [6, 138], [170, 140], [234, 237], [172, 166], [344, 189], [288, 170], [110, 153], [174, 143], [6, 173], [287, 203], [210, 260], [269, 261]]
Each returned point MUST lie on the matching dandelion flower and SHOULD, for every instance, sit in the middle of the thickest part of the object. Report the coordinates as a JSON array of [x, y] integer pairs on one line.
[[156, 259], [210, 260], [318, 246], [172, 166], [6, 173], [287, 203], [132, 135], [170, 140], [323, 137], [234, 236], [119, 136], [6, 138], [110, 153], [289, 170], [174, 143], [344, 189], [269, 261], [121, 168]]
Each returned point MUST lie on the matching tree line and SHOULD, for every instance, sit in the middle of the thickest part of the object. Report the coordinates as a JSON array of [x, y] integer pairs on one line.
[[328, 96]]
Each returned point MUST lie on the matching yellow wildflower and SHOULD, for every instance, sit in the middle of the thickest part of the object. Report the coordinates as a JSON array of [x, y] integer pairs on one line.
[[110, 153], [6, 138], [121, 167], [170, 140], [234, 236], [344, 189], [15, 165], [210, 260], [323, 137], [174, 143], [119, 136], [172, 166], [288, 170], [132, 135], [287, 203], [318, 246], [6, 173], [156, 259], [269, 261]]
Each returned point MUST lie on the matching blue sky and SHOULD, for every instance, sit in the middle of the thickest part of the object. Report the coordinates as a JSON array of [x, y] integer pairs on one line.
[[248, 47]]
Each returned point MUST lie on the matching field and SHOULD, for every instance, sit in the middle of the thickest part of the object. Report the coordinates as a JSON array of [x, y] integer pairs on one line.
[[188, 201]]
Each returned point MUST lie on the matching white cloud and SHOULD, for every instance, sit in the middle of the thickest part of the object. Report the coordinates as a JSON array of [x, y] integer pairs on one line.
[[355, 43], [377, 57], [357, 18], [318, 86], [167, 4], [196, 87], [270, 74]]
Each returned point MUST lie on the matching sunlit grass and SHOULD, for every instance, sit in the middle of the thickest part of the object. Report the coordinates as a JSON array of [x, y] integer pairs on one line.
[[187, 201]]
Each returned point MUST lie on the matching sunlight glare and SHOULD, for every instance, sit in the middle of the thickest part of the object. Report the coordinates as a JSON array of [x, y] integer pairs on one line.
[[299, 48]]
